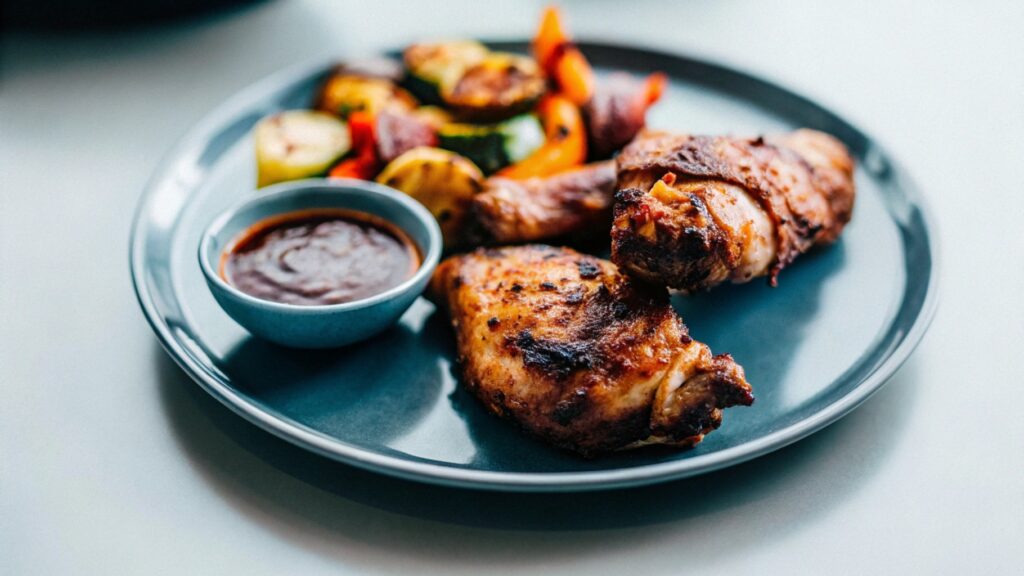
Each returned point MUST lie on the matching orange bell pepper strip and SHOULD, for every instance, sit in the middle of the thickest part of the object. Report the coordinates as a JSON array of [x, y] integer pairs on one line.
[[655, 85], [549, 39], [574, 76], [561, 60], [565, 144], [363, 165]]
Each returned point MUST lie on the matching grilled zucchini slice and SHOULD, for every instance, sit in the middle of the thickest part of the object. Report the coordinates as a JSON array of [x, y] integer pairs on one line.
[[298, 144], [430, 65], [500, 86], [494, 146]]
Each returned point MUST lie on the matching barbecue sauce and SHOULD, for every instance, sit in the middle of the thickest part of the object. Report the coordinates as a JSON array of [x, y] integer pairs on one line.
[[319, 257]]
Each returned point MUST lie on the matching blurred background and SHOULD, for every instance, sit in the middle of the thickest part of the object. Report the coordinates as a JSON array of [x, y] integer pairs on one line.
[[84, 14], [111, 461]]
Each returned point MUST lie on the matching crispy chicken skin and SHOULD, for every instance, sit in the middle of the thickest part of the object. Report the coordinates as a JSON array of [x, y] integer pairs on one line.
[[570, 203], [578, 354], [694, 211]]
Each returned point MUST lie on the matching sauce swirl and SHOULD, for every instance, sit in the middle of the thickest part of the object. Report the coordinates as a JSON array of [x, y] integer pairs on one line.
[[319, 257]]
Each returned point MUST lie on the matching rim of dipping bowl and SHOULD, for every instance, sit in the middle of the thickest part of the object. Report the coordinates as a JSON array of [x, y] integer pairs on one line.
[[431, 254]]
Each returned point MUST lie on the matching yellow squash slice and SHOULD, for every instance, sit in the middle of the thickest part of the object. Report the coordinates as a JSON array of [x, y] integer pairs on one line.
[[442, 181]]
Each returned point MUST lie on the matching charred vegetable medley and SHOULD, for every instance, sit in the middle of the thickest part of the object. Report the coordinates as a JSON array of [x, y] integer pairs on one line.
[[452, 115]]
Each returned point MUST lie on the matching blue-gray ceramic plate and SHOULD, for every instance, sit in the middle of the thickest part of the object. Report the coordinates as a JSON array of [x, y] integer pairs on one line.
[[841, 321]]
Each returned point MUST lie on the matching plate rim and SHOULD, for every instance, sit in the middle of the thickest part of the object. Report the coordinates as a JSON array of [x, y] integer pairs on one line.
[[415, 470]]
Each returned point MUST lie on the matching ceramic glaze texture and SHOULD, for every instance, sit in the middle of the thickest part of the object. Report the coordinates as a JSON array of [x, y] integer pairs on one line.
[[841, 321]]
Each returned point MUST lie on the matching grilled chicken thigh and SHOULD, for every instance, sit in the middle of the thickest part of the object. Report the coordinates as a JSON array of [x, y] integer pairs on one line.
[[694, 211], [579, 355], [570, 203]]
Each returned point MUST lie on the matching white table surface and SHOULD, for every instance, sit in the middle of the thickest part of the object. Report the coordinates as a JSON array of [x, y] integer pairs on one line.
[[113, 462]]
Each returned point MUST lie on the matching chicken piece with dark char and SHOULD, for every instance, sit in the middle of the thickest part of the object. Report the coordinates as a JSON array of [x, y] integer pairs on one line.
[[574, 203], [692, 212], [579, 355]]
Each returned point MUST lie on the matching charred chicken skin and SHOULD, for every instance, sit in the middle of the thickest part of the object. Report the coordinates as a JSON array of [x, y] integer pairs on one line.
[[694, 211], [580, 355], [569, 203]]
